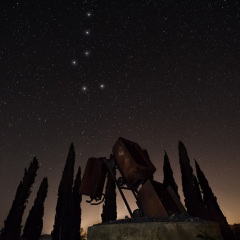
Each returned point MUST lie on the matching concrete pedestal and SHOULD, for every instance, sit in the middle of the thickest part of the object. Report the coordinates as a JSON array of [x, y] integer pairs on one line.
[[155, 231]]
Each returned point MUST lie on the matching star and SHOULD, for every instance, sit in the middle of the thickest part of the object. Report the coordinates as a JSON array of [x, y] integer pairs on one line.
[[87, 32], [74, 62], [89, 14], [102, 86], [84, 88], [86, 53]]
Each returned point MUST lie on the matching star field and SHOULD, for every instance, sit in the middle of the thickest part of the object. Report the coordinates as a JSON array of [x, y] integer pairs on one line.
[[88, 72]]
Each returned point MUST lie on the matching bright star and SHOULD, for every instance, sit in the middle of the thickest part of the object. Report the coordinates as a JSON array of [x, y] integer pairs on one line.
[[87, 32], [74, 62], [89, 14], [102, 86], [84, 88]]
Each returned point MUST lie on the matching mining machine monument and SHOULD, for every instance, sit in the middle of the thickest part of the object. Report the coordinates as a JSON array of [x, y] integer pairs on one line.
[[160, 214]]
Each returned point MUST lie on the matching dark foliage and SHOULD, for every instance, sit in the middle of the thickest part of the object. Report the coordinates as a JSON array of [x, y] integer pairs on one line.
[[146, 153], [62, 228], [168, 179], [214, 211], [194, 205], [34, 223], [12, 225], [77, 198], [197, 188], [109, 212]]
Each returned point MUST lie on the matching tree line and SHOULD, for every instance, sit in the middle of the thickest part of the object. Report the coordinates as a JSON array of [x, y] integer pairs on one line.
[[67, 224], [199, 200]]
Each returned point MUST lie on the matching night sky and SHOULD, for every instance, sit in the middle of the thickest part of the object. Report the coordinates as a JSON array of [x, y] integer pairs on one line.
[[153, 71]]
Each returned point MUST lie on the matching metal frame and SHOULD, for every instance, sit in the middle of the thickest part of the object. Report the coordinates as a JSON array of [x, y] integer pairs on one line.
[[111, 163]]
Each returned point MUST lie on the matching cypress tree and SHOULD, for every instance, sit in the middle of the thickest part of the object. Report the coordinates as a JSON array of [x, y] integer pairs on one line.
[[109, 212], [197, 188], [62, 228], [77, 198], [194, 205], [12, 225], [168, 179], [146, 153], [34, 223], [214, 211]]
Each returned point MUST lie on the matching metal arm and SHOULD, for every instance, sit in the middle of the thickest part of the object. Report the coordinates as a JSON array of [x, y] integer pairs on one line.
[[110, 163]]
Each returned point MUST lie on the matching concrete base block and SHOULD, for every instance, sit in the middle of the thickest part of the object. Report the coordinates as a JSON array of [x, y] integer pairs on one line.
[[155, 231]]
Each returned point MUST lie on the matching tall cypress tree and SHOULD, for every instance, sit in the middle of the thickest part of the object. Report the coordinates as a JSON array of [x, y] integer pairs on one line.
[[109, 212], [77, 198], [168, 179], [62, 228], [197, 188], [214, 211], [34, 223], [146, 153], [12, 225], [194, 205]]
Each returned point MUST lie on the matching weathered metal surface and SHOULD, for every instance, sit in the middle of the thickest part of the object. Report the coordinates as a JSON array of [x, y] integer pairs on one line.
[[133, 163], [94, 178], [150, 203], [154, 199], [157, 200]]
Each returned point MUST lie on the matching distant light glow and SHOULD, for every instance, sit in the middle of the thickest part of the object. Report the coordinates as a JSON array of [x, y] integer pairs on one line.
[[102, 86], [87, 53], [84, 88], [89, 14], [74, 62]]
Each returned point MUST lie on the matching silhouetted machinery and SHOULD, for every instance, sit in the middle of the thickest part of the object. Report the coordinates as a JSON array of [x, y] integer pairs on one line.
[[136, 170]]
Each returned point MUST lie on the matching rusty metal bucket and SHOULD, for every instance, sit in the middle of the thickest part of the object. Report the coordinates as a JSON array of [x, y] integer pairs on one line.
[[157, 200], [132, 161], [94, 178]]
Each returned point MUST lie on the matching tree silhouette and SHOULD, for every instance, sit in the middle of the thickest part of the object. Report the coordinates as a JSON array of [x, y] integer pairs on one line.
[[194, 205], [12, 225], [77, 198], [214, 211], [146, 153], [109, 212], [34, 223], [197, 188], [168, 179], [62, 228]]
